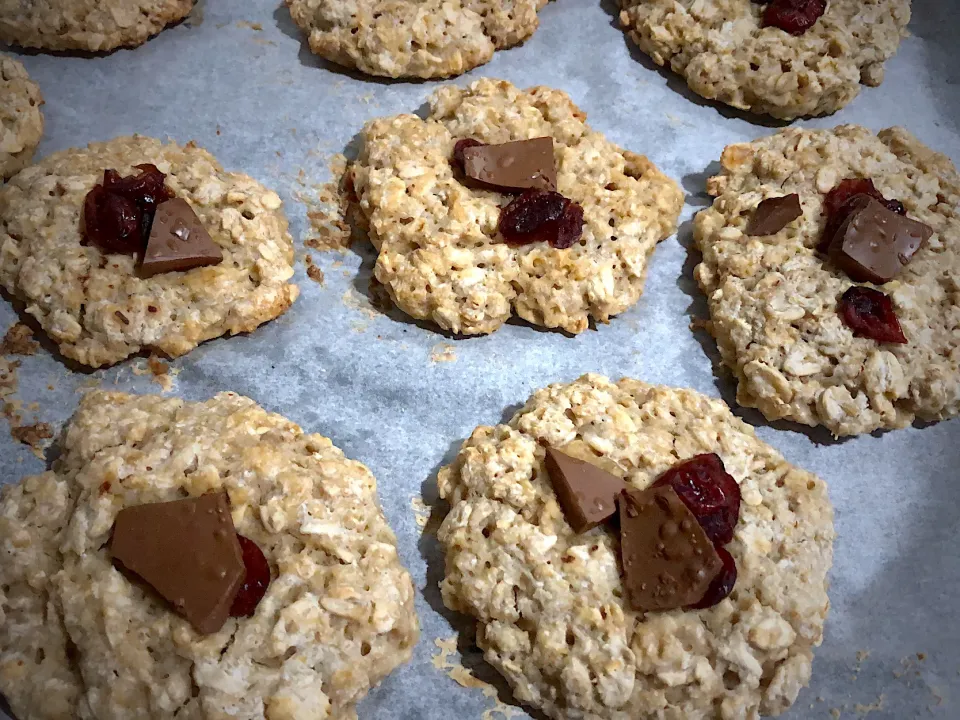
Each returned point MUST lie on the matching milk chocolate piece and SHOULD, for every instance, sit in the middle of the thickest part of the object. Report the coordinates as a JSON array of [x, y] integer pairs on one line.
[[587, 493], [668, 560], [188, 551], [873, 243], [514, 165], [178, 241], [774, 214]]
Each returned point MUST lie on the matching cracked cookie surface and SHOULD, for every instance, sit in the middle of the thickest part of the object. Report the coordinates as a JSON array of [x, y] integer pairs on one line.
[[80, 640], [439, 254], [92, 304], [723, 51], [549, 603], [21, 122], [773, 300], [87, 25], [414, 38]]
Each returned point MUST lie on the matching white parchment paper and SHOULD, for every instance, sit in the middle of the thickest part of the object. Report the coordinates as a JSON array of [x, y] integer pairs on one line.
[[238, 80]]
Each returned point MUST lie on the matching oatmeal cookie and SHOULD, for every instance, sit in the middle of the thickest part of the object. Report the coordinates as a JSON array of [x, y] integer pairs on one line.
[[439, 254], [93, 304], [414, 38], [337, 617], [773, 300], [725, 54], [549, 603], [21, 122], [89, 25]]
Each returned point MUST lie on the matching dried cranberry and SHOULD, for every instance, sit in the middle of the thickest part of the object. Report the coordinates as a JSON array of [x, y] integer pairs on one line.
[[722, 584], [460, 147], [870, 314], [540, 215], [112, 222], [710, 492], [256, 581], [794, 16], [840, 201]]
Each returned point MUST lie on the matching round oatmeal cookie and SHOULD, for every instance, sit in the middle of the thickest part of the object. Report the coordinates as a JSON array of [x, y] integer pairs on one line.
[[414, 38], [93, 304], [725, 53], [549, 603], [21, 122], [440, 255], [337, 617], [773, 300], [87, 25]]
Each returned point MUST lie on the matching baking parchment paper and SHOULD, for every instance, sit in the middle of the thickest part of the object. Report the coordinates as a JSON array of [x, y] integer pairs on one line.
[[400, 397]]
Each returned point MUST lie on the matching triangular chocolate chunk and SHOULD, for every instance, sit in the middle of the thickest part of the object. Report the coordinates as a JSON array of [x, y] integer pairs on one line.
[[774, 214], [178, 241], [668, 560], [587, 493], [188, 551]]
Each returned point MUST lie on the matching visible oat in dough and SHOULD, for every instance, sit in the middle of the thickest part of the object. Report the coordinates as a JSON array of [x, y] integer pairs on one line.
[[549, 605], [78, 639], [725, 53], [773, 300], [91, 25], [21, 122], [414, 38], [440, 257], [94, 305]]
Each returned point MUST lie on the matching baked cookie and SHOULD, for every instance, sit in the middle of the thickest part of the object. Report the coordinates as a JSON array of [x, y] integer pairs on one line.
[[550, 604], [440, 256], [21, 122], [727, 53], [414, 38], [93, 303], [89, 25], [775, 300], [82, 639]]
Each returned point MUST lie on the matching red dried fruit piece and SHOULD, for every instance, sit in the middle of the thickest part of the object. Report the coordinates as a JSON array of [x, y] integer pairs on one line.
[[460, 147], [710, 492], [870, 314], [794, 16], [722, 584], [111, 222], [254, 583], [540, 215], [839, 202]]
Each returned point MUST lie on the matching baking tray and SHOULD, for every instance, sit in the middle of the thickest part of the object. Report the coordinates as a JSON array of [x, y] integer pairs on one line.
[[237, 78]]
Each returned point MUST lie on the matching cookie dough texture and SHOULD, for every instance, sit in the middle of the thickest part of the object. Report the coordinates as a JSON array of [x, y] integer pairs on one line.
[[92, 304], [77, 639], [440, 256], [724, 52], [21, 122], [86, 25], [549, 603], [414, 38], [773, 300]]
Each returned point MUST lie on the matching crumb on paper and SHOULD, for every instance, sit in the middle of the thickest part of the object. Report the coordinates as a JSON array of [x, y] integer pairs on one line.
[[421, 511], [328, 207], [313, 272], [835, 713], [355, 301], [158, 371], [863, 710], [463, 677], [442, 352], [19, 341], [32, 435], [255, 26]]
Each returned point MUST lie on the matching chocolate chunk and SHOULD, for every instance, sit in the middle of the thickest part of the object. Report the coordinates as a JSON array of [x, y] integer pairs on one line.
[[514, 165], [774, 214], [586, 492], [874, 243], [188, 551], [178, 241], [668, 560]]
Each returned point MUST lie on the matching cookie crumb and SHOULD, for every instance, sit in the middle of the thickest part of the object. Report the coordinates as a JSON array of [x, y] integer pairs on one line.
[[442, 352], [19, 341], [255, 26], [463, 677], [421, 511], [328, 208], [32, 435], [313, 272]]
